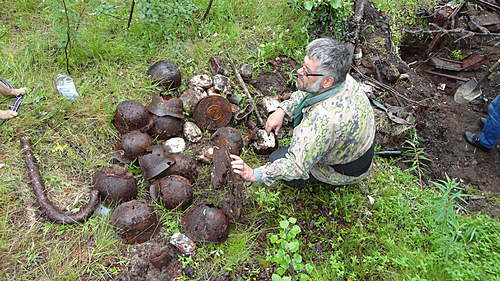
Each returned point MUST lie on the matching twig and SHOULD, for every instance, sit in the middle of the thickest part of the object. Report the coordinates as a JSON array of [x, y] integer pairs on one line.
[[245, 90], [208, 10], [446, 31], [68, 35], [131, 14], [387, 88]]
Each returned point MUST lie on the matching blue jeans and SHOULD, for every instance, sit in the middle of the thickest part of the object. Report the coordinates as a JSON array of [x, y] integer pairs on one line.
[[491, 131]]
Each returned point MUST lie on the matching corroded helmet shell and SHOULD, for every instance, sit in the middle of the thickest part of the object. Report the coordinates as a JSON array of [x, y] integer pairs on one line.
[[166, 127], [166, 106], [131, 115], [136, 221], [132, 145], [167, 73], [115, 183], [206, 223], [174, 191]]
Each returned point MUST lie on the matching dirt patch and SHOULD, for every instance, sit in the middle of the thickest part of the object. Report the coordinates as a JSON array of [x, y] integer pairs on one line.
[[439, 120]]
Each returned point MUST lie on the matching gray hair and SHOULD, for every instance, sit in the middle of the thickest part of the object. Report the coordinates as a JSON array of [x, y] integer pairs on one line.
[[334, 57]]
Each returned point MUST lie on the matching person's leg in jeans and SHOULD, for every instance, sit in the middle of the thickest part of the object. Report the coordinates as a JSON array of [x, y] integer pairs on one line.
[[280, 153], [491, 131]]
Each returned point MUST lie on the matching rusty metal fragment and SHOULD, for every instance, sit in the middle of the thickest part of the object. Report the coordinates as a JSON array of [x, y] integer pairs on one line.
[[53, 213], [213, 112], [229, 138], [206, 223], [115, 183], [174, 192], [166, 106], [166, 73], [131, 115], [224, 177], [218, 66], [135, 220], [269, 83], [154, 163], [132, 145]]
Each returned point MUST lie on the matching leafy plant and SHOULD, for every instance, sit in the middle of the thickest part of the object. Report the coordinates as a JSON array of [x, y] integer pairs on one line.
[[266, 199], [457, 55], [415, 155], [330, 16], [286, 254]]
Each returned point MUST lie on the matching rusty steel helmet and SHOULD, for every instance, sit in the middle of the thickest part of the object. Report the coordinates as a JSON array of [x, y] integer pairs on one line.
[[184, 165], [132, 145], [206, 223], [166, 73], [174, 192], [154, 163], [131, 115], [136, 221], [166, 106], [166, 127], [229, 138], [115, 183]]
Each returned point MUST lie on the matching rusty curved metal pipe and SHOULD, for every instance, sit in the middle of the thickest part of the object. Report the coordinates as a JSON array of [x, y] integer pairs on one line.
[[53, 213]]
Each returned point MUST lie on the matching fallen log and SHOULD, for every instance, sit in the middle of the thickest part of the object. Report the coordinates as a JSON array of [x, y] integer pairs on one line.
[[53, 213]]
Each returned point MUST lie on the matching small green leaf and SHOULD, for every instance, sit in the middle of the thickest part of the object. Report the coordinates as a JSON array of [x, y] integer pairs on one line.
[[276, 277], [284, 224], [287, 278], [280, 271], [273, 238], [309, 267], [308, 5], [292, 220], [297, 258], [293, 246]]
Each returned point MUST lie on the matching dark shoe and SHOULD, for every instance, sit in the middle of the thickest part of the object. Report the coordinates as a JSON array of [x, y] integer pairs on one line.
[[473, 139], [482, 122]]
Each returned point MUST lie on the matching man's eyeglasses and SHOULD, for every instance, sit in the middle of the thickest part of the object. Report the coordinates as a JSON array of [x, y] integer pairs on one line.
[[307, 74]]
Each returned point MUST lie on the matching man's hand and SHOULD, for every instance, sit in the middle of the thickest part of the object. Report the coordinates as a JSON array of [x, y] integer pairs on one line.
[[275, 121], [242, 169], [7, 114]]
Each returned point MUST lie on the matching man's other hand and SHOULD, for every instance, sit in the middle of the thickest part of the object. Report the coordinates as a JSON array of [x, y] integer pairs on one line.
[[242, 169], [275, 121], [7, 114]]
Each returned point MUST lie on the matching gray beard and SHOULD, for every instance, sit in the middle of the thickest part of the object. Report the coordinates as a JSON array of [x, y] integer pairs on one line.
[[310, 88]]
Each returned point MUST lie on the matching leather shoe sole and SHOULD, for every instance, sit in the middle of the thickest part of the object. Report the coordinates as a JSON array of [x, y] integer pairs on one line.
[[473, 139]]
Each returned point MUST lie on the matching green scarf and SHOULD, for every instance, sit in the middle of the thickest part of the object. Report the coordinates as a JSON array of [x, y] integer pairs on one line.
[[311, 99]]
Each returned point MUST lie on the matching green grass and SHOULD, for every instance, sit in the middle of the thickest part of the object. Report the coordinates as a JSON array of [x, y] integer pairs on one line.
[[399, 237]]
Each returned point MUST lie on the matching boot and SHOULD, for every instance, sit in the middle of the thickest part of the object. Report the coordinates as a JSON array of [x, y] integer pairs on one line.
[[482, 122], [473, 139]]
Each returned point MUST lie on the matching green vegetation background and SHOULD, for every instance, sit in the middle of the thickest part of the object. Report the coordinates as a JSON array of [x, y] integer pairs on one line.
[[407, 232]]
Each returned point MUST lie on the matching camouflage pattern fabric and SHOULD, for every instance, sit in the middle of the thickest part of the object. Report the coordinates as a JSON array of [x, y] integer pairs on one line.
[[337, 130]]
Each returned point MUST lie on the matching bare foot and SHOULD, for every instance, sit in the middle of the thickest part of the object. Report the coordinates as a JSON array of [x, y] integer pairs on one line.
[[7, 114]]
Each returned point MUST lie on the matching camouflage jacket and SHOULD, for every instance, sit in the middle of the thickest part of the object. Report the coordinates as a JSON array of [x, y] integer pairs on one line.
[[337, 130]]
